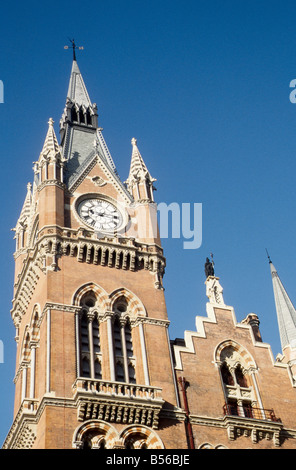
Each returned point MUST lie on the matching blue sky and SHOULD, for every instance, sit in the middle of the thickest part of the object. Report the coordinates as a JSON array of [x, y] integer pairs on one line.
[[204, 87]]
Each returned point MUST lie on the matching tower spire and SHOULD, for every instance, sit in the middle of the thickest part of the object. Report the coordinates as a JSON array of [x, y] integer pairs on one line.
[[77, 91], [78, 124], [286, 313]]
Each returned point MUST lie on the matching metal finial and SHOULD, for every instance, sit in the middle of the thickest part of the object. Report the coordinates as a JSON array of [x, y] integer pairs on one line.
[[268, 256], [212, 258], [72, 41]]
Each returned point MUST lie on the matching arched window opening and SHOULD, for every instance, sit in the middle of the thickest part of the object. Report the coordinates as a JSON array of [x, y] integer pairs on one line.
[[136, 441], [236, 367], [81, 116], [88, 117], [96, 336], [128, 340], [84, 346], [102, 444], [90, 343], [240, 377], [84, 334], [89, 300], [74, 117], [94, 440], [226, 375], [123, 345], [120, 305], [117, 338]]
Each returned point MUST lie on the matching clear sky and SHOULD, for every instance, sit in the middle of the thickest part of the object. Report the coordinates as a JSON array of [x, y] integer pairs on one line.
[[204, 87]]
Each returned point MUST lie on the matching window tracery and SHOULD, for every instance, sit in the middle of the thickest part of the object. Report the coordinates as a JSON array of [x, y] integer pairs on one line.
[[90, 343], [122, 360], [236, 371], [123, 344]]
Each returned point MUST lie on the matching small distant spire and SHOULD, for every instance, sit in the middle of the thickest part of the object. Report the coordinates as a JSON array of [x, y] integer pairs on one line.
[[285, 310]]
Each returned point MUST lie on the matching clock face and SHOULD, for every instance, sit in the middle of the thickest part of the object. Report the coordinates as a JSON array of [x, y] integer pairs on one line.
[[101, 214]]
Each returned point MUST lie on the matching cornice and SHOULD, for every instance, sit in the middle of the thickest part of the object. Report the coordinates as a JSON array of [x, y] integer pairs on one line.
[[57, 183]]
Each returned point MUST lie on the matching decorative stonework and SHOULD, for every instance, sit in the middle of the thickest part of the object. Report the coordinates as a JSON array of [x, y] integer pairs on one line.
[[25, 286], [118, 402], [214, 290], [26, 437], [236, 427], [98, 181], [53, 182], [54, 242], [119, 413], [120, 253], [256, 430], [94, 432]]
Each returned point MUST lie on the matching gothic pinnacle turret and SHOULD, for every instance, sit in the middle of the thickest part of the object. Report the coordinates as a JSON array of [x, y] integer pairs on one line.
[[139, 182], [50, 162]]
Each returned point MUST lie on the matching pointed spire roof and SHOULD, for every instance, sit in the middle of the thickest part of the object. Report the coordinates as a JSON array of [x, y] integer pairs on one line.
[[25, 212], [286, 312], [77, 91], [50, 147], [138, 167]]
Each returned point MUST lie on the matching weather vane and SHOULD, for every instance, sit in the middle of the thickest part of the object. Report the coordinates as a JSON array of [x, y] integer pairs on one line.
[[74, 47]]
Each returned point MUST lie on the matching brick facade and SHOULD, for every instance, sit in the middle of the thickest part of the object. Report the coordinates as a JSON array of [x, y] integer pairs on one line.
[[95, 366]]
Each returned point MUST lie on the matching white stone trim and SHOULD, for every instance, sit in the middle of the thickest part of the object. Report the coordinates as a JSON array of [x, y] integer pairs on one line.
[[144, 354], [48, 352]]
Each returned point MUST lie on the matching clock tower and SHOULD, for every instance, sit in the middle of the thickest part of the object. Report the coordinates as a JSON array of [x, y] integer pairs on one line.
[[93, 361]]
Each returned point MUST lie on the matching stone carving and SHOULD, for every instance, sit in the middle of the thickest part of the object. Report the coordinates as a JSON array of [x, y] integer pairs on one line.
[[98, 181]]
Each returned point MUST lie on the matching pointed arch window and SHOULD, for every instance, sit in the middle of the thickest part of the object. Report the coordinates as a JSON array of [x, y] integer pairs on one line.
[[239, 396], [74, 117], [102, 331], [241, 379], [226, 375], [123, 351], [239, 383], [81, 116], [90, 342], [88, 117], [84, 346], [123, 344]]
